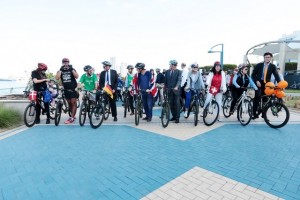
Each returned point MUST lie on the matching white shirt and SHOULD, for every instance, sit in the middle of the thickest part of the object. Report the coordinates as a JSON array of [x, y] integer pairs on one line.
[[184, 76]]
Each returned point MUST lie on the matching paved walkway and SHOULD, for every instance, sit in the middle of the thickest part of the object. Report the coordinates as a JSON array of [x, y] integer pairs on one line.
[[124, 161]]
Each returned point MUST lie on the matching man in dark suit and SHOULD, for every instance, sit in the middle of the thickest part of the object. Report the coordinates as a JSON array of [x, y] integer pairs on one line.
[[172, 84], [261, 75], [110, 77]]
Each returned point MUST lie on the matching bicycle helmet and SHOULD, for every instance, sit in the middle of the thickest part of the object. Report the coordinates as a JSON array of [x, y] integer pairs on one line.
[[157, 69], [106, 63], [42, 66], [130, 67], [173, 62], [65, 60], [217, 63], [140, 66], [87, 68], [194, 65], [242, 66]]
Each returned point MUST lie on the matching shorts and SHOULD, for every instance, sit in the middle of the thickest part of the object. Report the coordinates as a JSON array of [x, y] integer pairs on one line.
[[71, 94]]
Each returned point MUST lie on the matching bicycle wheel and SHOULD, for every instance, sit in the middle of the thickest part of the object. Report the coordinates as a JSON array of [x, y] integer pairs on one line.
[[195, 108], [97, 116], [30, 115], [137, 113], [211, 113], [165, 114], [106, 107], [58, 113], [126, 106], [226, 106], [276, 115], [52, 110], [201, 99], [82, 113], [244, 112]]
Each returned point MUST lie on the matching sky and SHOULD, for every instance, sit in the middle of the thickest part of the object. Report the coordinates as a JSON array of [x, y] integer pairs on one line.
[[150, 31]]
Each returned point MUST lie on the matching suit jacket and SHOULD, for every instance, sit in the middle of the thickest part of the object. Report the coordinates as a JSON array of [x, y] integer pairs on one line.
[[113, 79], [258, 71], [174, 81]]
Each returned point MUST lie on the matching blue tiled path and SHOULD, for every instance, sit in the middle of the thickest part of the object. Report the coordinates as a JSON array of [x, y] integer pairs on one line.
[[122, 162]]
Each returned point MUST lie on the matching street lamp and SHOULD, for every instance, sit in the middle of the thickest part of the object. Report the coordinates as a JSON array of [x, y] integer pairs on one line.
[[221, 52]]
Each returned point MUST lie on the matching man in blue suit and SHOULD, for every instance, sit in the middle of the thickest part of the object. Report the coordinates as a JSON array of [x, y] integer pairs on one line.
[[172, 84]]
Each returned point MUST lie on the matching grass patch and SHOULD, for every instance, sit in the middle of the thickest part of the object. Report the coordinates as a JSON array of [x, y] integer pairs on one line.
[[291, 91], [293, 102], [9, 118]]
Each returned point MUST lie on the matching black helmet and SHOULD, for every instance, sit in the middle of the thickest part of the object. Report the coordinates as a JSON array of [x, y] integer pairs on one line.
[[130, 67], [194, 65], [106, 63], [87, 68], [140, 65]]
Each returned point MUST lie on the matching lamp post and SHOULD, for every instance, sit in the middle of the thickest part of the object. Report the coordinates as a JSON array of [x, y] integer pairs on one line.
[[221, 52]]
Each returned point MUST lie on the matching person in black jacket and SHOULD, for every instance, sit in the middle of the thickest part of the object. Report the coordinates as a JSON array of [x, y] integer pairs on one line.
[[160, 83], [110, 77], [40, 84], [261, 75]]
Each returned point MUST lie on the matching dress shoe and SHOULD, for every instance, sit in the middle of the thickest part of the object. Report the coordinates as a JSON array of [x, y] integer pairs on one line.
[[177, 121], [48, 121], [37, 121], [148, 120], [145, 118], [115, 119], [172, 119]]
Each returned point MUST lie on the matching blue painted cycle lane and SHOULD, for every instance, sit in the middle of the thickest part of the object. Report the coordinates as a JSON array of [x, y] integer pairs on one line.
[[122, 162]]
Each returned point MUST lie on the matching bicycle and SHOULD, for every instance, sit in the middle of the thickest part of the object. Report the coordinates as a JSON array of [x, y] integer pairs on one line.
[[98, 111], [87, 105], [274, 112], [138, 104], [105, 103], [30, 110], [126, 101], [243, 107], [165, 110], [194, 106], [211, 112], [61, 106]]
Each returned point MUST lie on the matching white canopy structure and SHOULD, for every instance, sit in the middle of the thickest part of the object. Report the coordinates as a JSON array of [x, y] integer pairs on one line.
[[282, 51]]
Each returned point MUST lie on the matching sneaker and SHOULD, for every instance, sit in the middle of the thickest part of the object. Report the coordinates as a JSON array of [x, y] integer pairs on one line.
[[47, 121], [185, 114], [145, 118], [148, 120], [69, 121], [201, 114]]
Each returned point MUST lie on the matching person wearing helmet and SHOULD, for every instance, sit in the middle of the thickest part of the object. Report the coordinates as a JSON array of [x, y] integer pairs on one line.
[[128, 85], [160, 84], [110, 77], [216, 85], [68, 75], [261, 74], [240, 82], [147, 86], [40, 80], [194, 82], [89, 80], [172, 84]]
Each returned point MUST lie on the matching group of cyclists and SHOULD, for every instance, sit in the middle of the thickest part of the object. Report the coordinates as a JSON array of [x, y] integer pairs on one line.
[[177, 83]]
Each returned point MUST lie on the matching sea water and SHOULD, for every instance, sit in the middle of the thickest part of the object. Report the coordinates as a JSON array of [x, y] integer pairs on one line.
[[12, 87]]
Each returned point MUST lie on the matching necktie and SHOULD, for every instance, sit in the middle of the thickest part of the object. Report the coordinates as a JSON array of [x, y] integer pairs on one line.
[[107, 79], [171, 73], [265, 73]]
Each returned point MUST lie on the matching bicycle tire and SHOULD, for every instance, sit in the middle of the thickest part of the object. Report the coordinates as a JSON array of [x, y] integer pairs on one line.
[[165, 114], [30, 115], [196, 112], [245, 112], [271, 115], [58, 113], [226, 106], [210, 115], [78, 103], [106, 107], [52, 111], [97, 116], [82, 113], [201, 99], [137, 113]]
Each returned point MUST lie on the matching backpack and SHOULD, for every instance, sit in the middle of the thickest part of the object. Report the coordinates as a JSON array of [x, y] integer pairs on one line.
[[47, 97]]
